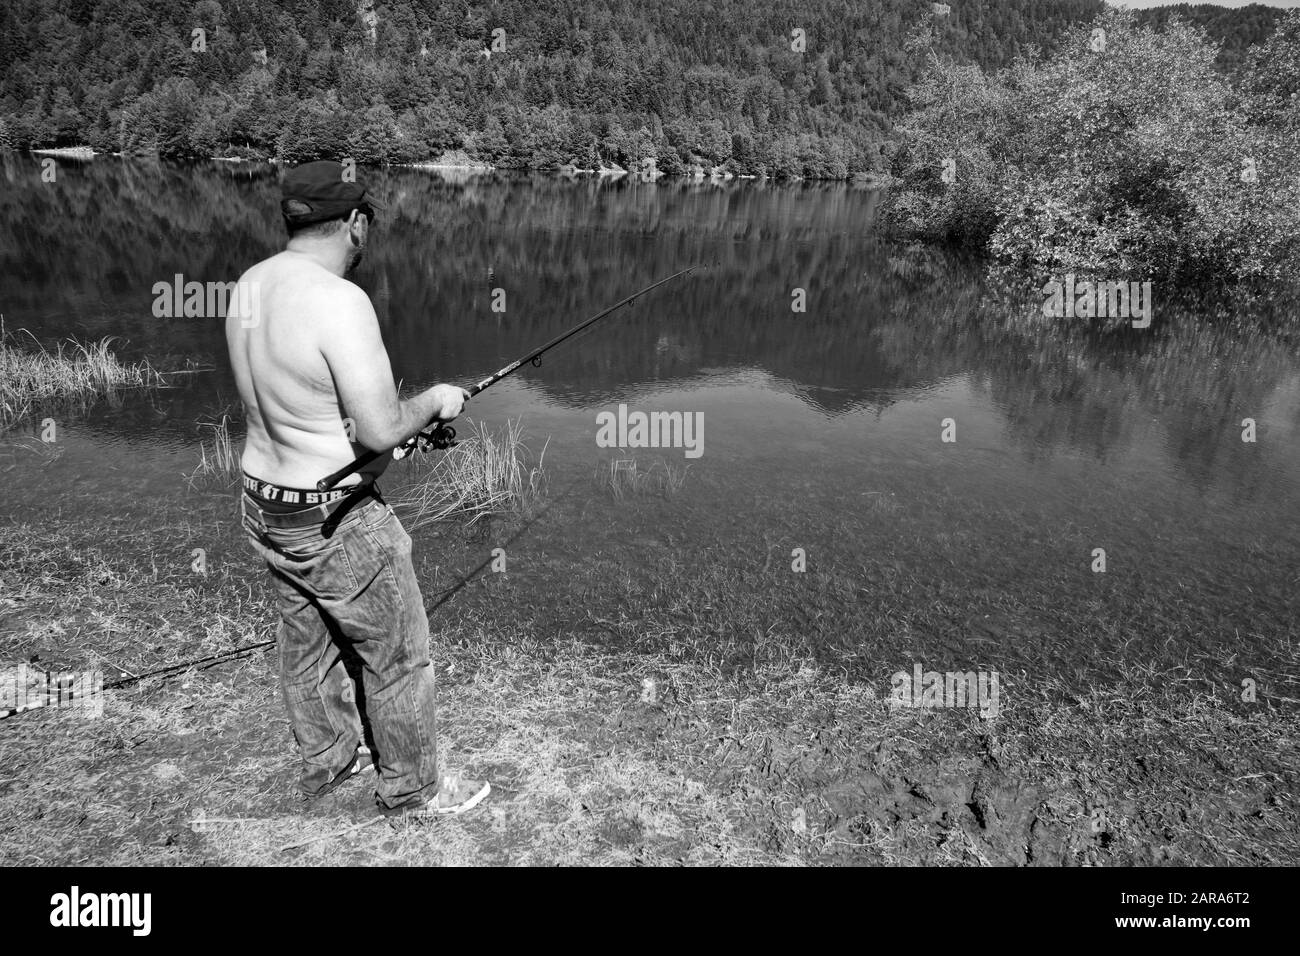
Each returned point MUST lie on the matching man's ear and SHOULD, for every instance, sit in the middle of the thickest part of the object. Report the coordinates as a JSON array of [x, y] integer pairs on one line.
[[356, 223]]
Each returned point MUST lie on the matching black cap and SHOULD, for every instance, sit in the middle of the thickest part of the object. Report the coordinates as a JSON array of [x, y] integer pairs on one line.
[[321, 186]]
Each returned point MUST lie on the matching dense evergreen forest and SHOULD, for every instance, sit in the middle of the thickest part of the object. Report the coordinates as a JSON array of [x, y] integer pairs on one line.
[[513, 83], [768, 87], [1235, 29]]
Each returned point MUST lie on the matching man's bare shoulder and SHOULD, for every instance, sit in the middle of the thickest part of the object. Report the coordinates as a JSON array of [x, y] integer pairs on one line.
[[310, 287], [348, 300], [334, 295], [265, 269]]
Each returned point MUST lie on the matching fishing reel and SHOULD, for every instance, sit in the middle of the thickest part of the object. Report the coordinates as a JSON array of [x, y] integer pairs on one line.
[[441, 437]]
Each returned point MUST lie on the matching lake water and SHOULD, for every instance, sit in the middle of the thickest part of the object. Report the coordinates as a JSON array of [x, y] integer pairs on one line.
[[822, 428]]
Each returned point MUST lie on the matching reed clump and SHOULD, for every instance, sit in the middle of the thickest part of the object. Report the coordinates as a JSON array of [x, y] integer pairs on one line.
[[219, 458], [487, 472], [628, 476], [73, 370]]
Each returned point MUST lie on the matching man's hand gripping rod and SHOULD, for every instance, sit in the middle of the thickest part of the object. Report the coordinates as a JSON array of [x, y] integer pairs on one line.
[[442, 435]]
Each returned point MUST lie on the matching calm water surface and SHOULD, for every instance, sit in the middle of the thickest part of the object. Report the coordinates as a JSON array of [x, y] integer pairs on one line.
[[821, 429]]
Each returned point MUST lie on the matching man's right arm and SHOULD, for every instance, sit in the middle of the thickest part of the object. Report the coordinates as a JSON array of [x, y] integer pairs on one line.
[[363, 377]]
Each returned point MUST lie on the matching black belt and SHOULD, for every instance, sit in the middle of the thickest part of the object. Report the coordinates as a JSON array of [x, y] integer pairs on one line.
[[326, 514]]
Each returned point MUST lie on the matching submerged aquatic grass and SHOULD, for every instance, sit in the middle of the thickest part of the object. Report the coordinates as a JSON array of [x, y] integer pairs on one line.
[[73, 370], [485, 473], [626, 476]]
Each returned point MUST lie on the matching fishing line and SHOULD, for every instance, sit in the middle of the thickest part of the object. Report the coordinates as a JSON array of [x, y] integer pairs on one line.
[[448, 593]]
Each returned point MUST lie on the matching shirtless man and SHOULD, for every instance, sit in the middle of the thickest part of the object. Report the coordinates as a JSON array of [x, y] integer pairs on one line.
[[313, 373]]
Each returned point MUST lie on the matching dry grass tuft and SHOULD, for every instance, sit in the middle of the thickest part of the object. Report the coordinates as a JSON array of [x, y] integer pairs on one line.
[[223, 461], [485, 473], [72, 371]]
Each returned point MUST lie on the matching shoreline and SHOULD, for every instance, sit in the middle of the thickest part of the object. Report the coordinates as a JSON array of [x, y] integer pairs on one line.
[[483, 167], [70, 152], [872, 180]]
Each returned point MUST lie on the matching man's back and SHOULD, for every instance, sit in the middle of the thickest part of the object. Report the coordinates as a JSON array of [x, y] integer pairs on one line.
[[296, 433]]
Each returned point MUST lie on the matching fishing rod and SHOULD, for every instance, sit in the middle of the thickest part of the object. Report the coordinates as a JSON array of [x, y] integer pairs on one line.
[[443, 435], [43, 699]]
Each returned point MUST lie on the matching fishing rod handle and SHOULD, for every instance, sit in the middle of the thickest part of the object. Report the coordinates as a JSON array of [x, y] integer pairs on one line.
[[329, 481]]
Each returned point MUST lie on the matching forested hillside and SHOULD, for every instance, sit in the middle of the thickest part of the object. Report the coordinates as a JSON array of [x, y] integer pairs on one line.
[[1235, 28], [515, 83]]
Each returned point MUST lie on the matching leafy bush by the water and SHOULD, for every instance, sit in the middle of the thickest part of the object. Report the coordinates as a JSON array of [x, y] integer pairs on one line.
[[1119, 158]]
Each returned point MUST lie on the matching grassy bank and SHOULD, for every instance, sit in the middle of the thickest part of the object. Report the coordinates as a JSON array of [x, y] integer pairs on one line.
[[673, 744], [31, 374]]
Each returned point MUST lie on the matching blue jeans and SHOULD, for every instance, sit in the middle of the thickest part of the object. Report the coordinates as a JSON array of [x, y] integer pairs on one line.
[[352, 597]]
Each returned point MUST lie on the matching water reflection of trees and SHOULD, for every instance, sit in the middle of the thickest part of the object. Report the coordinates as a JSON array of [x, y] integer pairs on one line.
[[82, 254], [1187, 387]]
